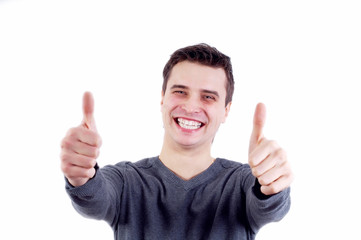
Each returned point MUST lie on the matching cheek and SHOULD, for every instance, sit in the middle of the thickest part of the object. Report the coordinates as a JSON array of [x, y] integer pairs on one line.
[[223, 115], [168, 104], [219, 116], [165, 112], [166, 109]]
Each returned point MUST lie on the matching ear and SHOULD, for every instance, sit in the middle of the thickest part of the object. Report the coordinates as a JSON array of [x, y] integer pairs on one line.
[[228, 108], [162, 98]]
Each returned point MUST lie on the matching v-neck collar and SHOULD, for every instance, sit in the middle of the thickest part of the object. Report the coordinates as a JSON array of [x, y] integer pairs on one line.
[[197, 180]]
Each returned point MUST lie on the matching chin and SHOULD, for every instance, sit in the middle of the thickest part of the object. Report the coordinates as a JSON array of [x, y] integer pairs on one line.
[[191, 143]]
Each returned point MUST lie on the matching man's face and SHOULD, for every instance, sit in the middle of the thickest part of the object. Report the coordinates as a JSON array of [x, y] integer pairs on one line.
[[193, 104]]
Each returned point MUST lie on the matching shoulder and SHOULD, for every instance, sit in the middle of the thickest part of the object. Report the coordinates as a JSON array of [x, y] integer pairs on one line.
[[125, 169], [234, 168], [145, 163], [125, 166], [230, 164]]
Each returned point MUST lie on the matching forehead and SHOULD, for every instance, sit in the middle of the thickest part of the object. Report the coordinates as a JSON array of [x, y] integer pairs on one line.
[[198, 76]]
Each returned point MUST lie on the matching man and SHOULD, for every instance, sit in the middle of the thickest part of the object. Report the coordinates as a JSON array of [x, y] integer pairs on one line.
[[184, 193]]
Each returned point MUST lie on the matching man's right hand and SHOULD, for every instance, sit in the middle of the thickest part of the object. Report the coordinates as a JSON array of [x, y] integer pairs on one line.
[[80, 147]]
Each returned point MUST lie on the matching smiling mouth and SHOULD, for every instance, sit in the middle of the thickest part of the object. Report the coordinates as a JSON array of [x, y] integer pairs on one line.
[[188, 124]]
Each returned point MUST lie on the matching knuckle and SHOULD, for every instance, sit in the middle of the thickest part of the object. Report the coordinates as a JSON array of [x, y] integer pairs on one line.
[[93, 162], [90, 163], [273, 144], [255, 172], [66, 143], [279, 152], [281, 155], [274, 188], [286, 168], [90, 173], [63, 143], [290, 177], [63, 156], [262, 181], [65, 168], [74, 133], [251, 160], [71, 132], [97, 153], [100, 141], [97, 139]]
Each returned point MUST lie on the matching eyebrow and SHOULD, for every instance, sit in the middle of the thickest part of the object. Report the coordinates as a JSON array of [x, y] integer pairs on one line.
[[202, 90], [179, 86], [210, 92]]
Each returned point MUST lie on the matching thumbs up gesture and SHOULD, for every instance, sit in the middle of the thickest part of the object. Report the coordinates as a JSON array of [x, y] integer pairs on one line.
[[80, 147], [267, 160]]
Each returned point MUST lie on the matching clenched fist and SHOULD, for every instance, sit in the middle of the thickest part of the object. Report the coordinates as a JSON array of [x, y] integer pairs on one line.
[[80, 147], [267, 160]]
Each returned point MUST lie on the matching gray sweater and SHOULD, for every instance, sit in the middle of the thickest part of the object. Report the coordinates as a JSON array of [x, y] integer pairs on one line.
[[145, 200]]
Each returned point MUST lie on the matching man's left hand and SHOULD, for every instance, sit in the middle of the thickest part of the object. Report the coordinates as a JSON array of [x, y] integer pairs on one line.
[[268, 161]]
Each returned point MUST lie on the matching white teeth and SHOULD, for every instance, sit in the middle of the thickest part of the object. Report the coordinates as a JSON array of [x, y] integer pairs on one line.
[[189, 124]]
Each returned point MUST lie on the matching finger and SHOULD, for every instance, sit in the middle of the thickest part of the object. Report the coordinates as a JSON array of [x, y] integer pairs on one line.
[[80, 148], [72, 171], [276, 157], [88, 111], [279, 170], [86, 150], [77, 159], [259, 120], [264, 148], [272, 175], [76, 182], [277, 186], [84, 135], [91, 138]]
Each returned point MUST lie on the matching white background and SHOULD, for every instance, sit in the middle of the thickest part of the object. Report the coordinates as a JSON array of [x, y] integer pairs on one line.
[[301, 58]]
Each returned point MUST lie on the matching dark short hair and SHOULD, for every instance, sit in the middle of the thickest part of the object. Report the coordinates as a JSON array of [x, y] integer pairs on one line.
[[205, 55]]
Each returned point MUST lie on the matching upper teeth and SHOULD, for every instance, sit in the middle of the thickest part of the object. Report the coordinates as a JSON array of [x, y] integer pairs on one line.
[[189, 124]]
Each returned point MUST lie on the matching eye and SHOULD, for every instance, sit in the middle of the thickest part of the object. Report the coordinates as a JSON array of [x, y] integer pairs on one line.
[[179, 92], [209, 97]]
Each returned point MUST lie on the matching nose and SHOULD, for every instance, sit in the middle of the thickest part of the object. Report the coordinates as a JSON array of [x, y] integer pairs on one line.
[[191, 105]]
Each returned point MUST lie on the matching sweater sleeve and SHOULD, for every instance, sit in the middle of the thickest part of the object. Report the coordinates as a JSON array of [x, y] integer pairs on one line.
[[100, 197], [262, 209]]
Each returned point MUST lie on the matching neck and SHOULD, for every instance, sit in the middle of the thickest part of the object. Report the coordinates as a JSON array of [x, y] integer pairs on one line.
[[186, 162]]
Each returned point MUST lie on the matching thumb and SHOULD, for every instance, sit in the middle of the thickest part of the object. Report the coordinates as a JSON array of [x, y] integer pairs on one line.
[[88, 110], [259, 120]]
